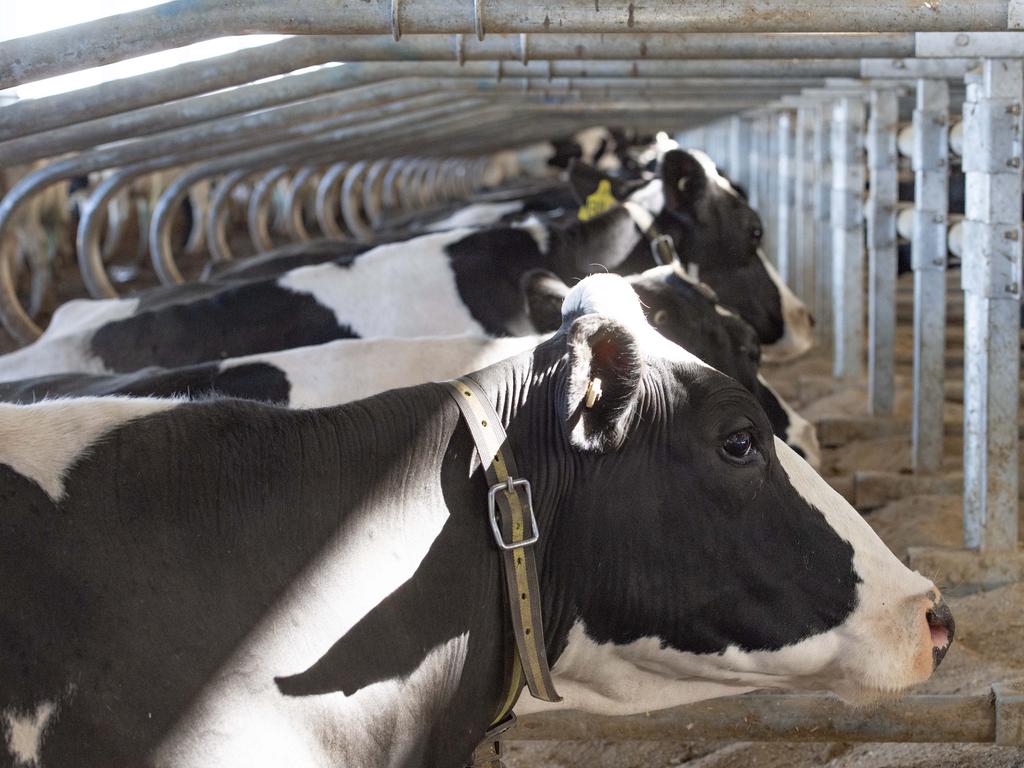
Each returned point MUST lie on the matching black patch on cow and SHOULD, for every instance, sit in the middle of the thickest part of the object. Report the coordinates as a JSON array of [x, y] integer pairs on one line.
[[489, 266], [236, 321], [249, 381]]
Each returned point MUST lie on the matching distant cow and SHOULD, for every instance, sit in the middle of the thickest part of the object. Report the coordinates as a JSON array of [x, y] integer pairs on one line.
[[447, 288], [259, 587]]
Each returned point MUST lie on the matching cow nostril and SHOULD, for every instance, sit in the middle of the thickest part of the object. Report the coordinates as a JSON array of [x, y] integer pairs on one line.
[[941, 627], [810, 319]]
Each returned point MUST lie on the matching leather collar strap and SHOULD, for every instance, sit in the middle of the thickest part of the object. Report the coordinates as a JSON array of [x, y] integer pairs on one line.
[[662, 248], [512, 519]]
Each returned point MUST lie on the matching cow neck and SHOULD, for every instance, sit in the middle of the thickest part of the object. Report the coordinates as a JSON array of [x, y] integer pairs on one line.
[[524, 400], [602, 243], [663, 250]]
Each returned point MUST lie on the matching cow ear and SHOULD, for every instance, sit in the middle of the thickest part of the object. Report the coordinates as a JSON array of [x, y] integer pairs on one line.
[[684, 180], [585, 180], [603, 384], [544, 292]]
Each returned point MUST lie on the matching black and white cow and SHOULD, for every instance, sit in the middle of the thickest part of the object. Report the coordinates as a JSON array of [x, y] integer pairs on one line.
[[307, 377], [716, 232], [256, 586], [447, 288]]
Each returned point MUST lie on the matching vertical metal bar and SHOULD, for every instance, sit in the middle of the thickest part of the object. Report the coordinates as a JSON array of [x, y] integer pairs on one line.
[[930, 160], [803, 206], [771, 187], [881, 221], [756, 151], [739, 151], [784, 191], [822, 155], [991, 280], [848, 235]]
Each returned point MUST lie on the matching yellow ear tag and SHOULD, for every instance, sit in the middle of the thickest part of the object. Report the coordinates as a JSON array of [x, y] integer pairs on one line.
[[598, 201]]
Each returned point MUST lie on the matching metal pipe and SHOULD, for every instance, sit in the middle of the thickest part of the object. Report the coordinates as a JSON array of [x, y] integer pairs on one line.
[[373, 190], [258, 214], [991, 717], [930, 161], [991, 278], [352, 202], [881, 231], [182, 22], [848, 235], [64, 110], [327, 201], [822, 154], [220, 214], [803, 205], [295, 205], [785, 194]]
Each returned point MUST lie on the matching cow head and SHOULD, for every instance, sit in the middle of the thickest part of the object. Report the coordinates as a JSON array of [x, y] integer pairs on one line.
[[716, 231], [697, 555], [689, 314]]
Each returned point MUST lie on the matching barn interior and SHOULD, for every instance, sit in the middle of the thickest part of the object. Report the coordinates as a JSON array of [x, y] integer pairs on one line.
[[881, 143]]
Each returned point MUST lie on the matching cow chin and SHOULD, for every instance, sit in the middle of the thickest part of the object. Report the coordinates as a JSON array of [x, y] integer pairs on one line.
[[797, 323], [899, 630]]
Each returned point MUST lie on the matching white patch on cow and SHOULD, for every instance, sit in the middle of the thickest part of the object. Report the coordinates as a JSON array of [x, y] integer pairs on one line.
[[350, 369], [43, 441], [242, 719], [64, 347], [711, 171], [883, 647], [797, 334], [402, 289], [537, 229], [476, 215], [25, 734], [800, 433], [612, 296], [651, 196], [590, 140]]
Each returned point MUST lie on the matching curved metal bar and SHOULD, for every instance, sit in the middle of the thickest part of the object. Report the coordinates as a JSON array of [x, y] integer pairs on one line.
[[420, 185], [407, 197], [308, 149], [295, 204], [220, 214], [258, 214], [390, 198], [373, 191], [199, 194], [327, 201], [90, 225], [351, 202]]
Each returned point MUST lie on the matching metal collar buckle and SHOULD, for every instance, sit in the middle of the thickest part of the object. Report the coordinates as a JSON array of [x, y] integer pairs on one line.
[[662, 249], [509, 487]]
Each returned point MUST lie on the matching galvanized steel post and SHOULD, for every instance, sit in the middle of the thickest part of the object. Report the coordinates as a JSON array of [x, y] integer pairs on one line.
[[848, 235], [739, 151], [803, 206], [822, 153], [992, 284], [881, 221], [930, 159], [785, 194]]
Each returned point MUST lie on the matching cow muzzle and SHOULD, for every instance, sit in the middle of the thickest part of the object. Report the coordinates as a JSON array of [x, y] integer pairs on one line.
[[941, 627]]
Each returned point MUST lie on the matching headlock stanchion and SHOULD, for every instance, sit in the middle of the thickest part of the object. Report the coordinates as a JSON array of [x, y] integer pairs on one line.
[[848, 235], [930, 160], [881, 231]]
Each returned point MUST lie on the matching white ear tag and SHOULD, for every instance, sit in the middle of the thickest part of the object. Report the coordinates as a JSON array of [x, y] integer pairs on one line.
[[593, 392]]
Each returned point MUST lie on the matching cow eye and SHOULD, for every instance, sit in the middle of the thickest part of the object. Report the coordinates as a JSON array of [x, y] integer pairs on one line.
[[739, 446], [755, 234]]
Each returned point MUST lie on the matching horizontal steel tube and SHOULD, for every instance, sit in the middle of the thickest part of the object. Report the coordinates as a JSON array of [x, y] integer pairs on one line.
[[158, 88], [792, 717], [182, 22]]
